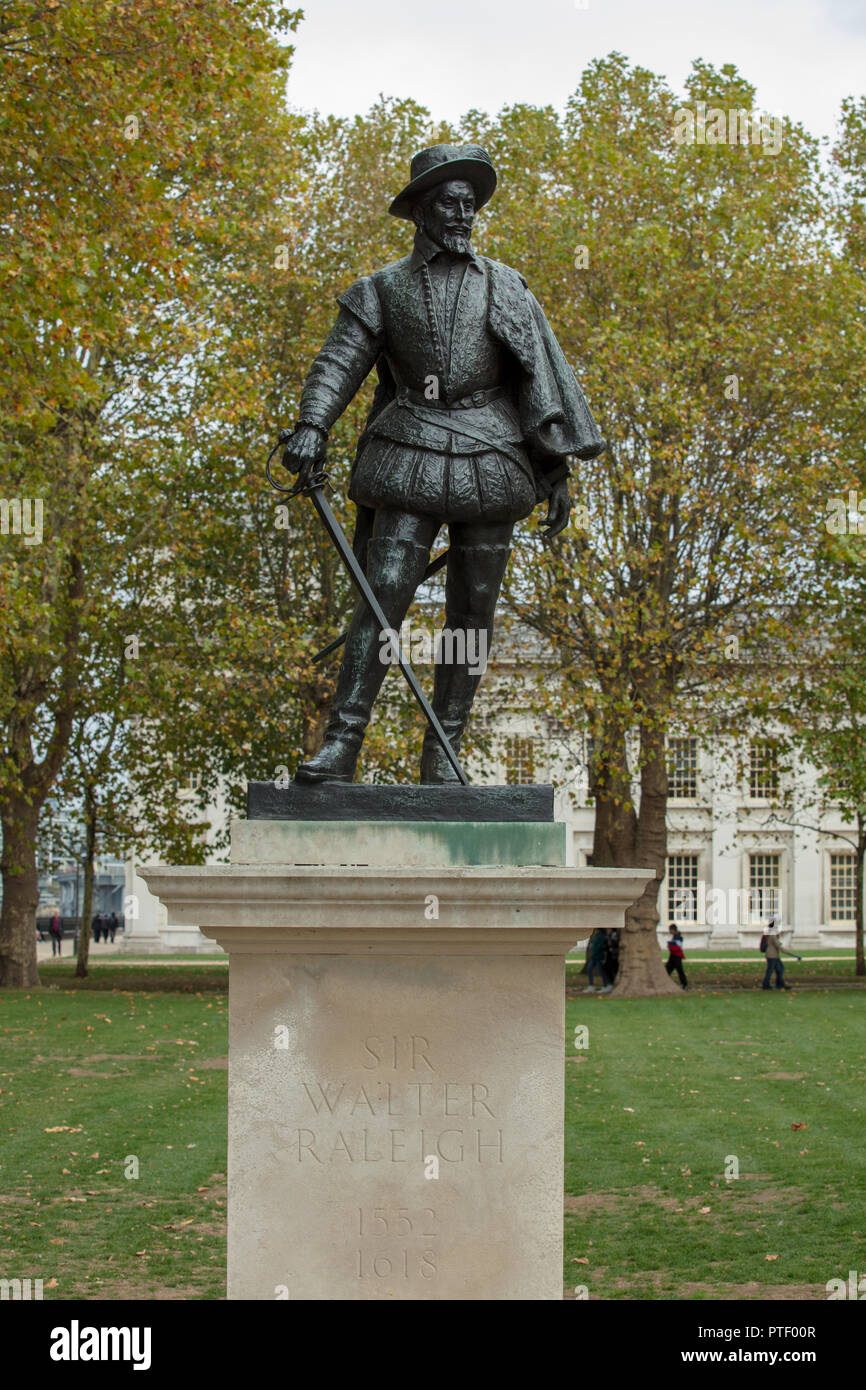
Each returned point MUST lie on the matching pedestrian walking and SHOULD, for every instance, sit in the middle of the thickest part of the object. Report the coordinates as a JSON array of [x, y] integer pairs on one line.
[[676, 954], [56, 933], [595, 962], [113, 924], [96, 926], [611, 955], [771, 945]]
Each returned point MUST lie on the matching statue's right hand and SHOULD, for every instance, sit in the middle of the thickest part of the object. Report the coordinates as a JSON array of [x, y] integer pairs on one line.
[[305, 447]]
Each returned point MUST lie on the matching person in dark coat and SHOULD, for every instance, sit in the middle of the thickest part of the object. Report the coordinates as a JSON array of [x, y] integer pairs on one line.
[[112, 925], [473, 419], [595, 961], [56, 933], [611, 955], [96, 926]]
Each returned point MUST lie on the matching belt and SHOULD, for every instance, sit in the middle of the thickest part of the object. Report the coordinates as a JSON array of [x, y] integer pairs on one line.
[[477, 398], [497, 445]]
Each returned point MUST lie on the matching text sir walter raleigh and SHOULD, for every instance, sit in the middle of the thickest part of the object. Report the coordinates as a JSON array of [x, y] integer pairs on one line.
[[349, 1120]]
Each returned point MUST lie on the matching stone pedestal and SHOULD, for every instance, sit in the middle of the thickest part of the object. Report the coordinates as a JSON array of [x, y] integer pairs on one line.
[[396, 1051]]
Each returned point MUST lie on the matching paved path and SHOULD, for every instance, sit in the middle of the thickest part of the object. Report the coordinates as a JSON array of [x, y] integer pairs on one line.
[[743, 960], [116, 954]]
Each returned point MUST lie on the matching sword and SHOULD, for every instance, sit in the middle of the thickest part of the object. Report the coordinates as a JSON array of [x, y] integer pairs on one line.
[[433, 568], [314, 488]]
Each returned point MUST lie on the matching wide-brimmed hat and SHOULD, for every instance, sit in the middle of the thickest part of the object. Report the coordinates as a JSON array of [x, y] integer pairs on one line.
[[441, 162]]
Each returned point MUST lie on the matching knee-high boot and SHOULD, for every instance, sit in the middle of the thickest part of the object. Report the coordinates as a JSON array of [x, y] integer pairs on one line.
[[395, 568], [455, 684]]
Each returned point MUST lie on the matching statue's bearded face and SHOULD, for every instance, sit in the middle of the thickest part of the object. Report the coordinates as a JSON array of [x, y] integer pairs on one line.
[[447, 214]]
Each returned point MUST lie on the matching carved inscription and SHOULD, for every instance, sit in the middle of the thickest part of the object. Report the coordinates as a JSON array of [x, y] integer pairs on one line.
[[410, 1257], [397, 1119]]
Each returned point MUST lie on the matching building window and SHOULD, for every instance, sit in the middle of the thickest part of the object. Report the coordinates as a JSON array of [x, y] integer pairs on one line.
[[843, 888], [682, 887], [188, 783], [763, 770], [683, 768], [519, 761], [833, 790], [764, 885]]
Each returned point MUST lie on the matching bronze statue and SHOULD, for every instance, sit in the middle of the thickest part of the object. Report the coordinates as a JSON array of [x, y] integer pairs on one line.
[[474, 414]]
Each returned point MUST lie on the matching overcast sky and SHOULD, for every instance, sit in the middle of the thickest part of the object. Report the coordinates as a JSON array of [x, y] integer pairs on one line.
[[802, 55]]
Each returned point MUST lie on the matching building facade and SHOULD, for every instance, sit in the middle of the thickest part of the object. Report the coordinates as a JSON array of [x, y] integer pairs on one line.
[[748, 833]]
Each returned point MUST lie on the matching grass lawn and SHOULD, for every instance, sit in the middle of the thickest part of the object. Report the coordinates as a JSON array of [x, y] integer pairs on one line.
[[668, 1089], [88, 1079], [134, 1064], [705, 970], [140, 975]]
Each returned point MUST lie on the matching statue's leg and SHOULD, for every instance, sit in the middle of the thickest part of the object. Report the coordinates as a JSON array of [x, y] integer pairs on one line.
[[397, 555], [477, 559]]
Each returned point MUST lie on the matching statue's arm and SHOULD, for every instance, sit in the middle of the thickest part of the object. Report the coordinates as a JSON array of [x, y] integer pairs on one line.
[[339, 370], [345, 361]]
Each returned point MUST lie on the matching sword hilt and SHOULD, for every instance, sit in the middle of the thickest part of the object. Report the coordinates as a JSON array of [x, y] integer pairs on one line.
[[320, 478]]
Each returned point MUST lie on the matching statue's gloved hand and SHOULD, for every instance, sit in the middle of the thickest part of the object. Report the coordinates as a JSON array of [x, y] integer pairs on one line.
[[305, 449], [558, 510]]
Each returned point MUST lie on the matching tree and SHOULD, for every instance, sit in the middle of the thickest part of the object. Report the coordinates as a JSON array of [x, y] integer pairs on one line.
[[695, 287], [824, 702], [131, 134]]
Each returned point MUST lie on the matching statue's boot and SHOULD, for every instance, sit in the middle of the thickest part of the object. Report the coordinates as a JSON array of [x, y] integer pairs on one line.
[[394, 570], [476, 588]]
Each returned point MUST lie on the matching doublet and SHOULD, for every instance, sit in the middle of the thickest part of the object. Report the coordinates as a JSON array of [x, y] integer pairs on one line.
[[476, 406]]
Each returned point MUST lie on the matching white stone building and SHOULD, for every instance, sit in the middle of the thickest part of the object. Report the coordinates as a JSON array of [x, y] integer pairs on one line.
[[746, 836]]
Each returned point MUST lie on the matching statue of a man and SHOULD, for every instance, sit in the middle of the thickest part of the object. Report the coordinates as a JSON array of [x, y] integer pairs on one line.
[[475, 412]]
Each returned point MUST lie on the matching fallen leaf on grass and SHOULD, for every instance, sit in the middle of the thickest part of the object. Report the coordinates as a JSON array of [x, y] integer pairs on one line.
[[704, 1210], [580, 1260], [771, 1257], [799, 1124]]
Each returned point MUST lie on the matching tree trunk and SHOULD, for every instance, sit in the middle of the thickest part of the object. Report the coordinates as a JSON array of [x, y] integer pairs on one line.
[[641, 970], [18, 969], [860, 962], [613, 841], [89, 856]]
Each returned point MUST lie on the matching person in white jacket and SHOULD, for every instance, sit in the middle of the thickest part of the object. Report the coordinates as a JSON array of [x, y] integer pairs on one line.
[[775, 950]]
